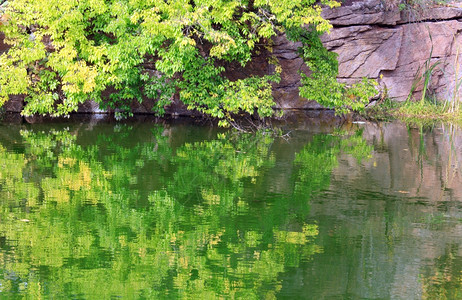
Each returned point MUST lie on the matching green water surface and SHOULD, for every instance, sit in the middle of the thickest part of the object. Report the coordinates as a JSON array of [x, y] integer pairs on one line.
[[149, 211]]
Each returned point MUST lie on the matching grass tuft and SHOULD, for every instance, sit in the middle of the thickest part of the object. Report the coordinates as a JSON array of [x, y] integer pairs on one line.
[[419, 112]]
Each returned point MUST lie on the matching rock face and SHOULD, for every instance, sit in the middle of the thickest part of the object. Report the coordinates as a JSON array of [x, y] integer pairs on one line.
[[395, 47], [365, 12], [382, 43], [371, 40]]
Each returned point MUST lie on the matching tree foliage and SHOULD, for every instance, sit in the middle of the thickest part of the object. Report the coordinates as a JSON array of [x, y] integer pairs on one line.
[[64, 53]]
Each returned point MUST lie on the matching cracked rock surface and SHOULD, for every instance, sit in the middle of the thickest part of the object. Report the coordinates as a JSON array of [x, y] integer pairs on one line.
[[393, 46]]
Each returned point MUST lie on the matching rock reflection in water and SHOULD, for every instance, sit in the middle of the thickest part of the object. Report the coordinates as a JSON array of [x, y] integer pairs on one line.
[[391, 226]]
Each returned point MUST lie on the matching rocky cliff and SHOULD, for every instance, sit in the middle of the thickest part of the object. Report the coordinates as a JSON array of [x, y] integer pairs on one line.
[[382, 43], [393, 46]]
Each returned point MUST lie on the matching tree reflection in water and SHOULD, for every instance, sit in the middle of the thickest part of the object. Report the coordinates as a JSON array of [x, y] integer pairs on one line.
[[122, 216]]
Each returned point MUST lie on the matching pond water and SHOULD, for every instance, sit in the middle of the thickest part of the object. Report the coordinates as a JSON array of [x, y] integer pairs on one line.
[[142, 210]]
